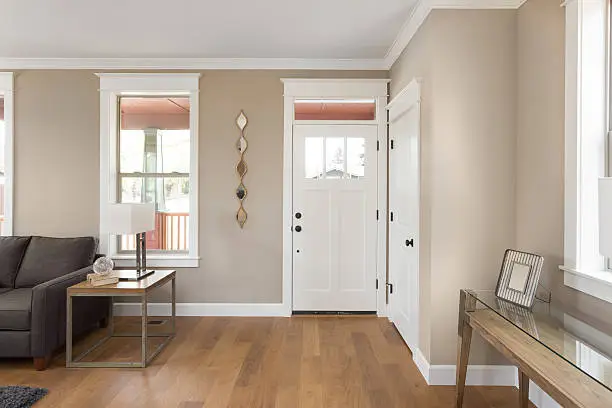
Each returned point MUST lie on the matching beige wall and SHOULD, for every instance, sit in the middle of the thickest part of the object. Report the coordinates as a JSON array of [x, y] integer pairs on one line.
[[57, 173], [467, 160], [540, 137], [473, 172], [56, 153]]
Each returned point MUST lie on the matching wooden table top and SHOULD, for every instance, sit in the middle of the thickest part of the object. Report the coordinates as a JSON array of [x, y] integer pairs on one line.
[[144, 285], [565, 383]]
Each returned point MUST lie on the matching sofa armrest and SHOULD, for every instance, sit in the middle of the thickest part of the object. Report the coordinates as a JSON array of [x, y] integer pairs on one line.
[[48, 324]]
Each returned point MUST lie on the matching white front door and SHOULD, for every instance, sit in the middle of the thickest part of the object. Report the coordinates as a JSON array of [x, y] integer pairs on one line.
[[334, 217], [404, 126]]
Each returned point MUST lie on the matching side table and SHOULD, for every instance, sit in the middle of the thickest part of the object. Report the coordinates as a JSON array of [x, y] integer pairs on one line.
[[140, 289]]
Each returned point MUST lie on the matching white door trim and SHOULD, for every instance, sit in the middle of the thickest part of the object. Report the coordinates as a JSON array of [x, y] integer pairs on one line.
[[333, 88], [407, 99]]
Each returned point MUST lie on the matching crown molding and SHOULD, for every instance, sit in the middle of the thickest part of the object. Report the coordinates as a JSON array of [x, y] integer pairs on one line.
[[191, 63], [419, 14], [422, 9]]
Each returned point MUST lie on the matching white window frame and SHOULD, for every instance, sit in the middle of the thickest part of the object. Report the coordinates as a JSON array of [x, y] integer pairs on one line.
[[7, 91], [113, 86], [586, 125]]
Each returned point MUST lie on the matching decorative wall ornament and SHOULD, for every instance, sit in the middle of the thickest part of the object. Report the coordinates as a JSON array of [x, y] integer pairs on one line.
[[241, 168]]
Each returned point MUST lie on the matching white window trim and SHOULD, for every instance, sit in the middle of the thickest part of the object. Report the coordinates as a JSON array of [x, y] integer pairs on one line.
[[7, 91], [112, 86], [585, 144]]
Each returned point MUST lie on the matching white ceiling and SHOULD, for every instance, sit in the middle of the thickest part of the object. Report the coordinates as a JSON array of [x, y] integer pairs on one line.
[[305, 29]]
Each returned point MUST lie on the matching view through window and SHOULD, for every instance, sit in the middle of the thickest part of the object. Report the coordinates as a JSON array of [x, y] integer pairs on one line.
[[154, 162]]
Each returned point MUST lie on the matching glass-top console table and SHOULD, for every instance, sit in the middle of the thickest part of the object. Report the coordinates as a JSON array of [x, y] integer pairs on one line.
[[568, 358]]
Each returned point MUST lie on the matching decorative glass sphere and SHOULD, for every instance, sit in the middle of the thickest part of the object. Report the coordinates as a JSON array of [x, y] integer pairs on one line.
[[103, 265]]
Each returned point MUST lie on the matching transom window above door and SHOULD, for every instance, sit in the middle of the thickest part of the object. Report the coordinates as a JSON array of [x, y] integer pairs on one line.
[[335, 109]]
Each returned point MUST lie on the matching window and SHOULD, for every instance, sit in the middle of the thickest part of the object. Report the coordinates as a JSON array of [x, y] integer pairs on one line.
[[335, 109], [585, 141], [149, 126], [6, 153], [154, 146]]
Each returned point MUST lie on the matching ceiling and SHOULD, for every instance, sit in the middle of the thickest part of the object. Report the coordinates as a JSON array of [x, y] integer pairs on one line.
[[306, 29]]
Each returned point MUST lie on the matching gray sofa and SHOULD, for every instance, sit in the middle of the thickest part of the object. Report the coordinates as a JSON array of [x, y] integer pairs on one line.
[[34, 275]]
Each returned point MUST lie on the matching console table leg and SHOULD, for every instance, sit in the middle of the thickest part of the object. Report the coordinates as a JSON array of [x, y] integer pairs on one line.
[[463, 355], [467, 303], [523, 390]]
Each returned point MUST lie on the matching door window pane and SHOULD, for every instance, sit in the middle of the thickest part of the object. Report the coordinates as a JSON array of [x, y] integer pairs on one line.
[[334, 157], [335, 109], [355, 157], [313, 157]]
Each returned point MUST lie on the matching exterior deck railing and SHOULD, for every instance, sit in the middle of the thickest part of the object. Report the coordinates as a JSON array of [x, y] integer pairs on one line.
[[171, 234]]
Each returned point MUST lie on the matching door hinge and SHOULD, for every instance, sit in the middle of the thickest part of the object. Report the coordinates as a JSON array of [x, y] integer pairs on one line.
[[377, 215], [390, 285], [392, 144], [376, 283], [377, 145], [391, 216]]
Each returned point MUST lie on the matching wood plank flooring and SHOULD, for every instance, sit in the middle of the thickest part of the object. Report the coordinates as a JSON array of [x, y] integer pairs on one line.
[[218, 362]]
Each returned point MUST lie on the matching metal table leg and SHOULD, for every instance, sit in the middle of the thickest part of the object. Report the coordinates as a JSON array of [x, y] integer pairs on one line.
[[111, 316], [173, 306], [144, 330], [68, 331]]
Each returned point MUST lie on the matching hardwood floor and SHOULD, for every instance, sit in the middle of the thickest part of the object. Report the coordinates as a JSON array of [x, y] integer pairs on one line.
[[215, 362]]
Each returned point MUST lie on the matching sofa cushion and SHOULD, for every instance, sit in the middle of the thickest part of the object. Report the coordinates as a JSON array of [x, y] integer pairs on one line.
[[49, 258], [15, 309], [12, 250]]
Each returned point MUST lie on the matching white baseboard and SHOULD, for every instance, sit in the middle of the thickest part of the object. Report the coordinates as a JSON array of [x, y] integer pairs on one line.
[[480, 375], [422, 364], [476, 374], [204, 309]]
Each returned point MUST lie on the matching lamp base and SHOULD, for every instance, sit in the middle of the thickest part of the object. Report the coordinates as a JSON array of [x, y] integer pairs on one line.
[[132, 275]]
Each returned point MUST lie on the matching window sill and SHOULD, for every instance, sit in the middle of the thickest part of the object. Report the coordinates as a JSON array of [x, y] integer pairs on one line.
[[157, 261], [594, 283]]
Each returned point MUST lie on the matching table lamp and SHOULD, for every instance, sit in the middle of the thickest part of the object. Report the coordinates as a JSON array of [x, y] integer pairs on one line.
[[133, 219], [605, 216]]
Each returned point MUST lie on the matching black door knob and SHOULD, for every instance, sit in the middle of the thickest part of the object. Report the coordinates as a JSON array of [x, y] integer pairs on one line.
[[410, 242], [298, 215], [298, 228]]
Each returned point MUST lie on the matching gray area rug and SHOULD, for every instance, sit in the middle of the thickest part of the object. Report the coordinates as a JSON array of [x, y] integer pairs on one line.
[[15, 396]]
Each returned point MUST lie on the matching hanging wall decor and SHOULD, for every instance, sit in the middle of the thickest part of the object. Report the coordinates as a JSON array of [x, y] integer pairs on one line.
[[241, 168]]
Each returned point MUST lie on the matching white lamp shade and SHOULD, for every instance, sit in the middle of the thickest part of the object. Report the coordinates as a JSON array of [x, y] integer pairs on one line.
[[605, 216], [130, 218]]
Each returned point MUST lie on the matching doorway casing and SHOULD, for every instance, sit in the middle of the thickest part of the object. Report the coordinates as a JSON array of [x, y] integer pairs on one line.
[[335, 89]]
